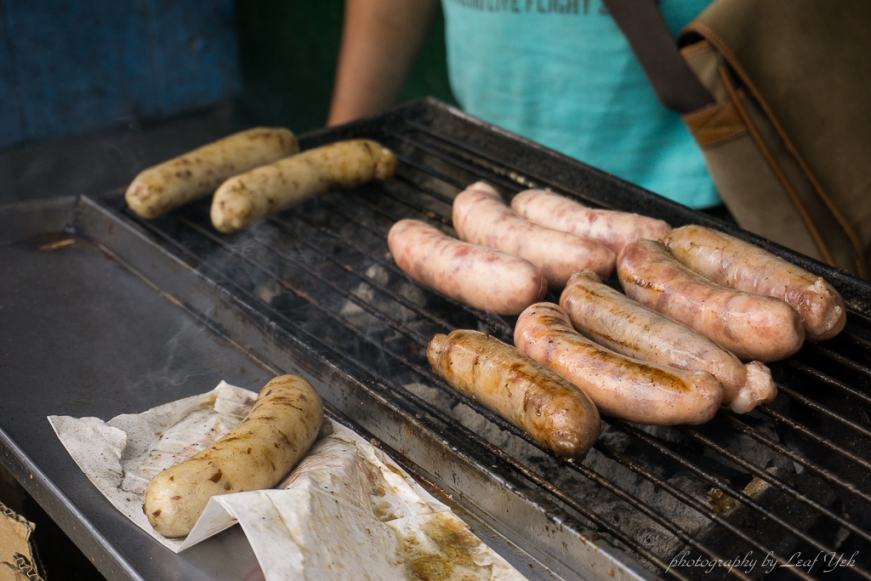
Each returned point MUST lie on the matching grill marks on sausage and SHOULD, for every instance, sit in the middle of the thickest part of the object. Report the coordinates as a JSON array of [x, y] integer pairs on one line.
[[621, 387], [264, 446], [556, 332], [527, 394]]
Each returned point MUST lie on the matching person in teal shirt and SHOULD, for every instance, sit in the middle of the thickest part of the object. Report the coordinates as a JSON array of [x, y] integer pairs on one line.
[[559, 72]]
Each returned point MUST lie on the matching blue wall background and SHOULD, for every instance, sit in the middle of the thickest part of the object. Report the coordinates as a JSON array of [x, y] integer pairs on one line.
[[67, 67]]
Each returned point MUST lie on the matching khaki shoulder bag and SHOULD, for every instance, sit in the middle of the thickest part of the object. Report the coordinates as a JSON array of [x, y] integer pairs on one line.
[[777, 94]]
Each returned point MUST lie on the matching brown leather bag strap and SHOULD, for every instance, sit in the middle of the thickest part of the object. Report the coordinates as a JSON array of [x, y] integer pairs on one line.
[[656, 49]]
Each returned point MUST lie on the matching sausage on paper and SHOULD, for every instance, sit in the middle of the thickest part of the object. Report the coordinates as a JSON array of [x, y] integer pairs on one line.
[[256, 454]]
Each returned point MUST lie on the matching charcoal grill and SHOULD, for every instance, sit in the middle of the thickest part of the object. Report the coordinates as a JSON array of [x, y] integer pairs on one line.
[[314, 291]]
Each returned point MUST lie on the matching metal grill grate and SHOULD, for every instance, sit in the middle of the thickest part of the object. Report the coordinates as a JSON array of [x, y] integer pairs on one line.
[[794, 476]]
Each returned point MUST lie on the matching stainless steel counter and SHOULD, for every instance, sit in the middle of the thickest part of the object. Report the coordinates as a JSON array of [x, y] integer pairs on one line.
[[81, 335]]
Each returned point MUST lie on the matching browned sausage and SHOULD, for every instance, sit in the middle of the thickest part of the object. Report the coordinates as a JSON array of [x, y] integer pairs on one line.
[[733, 263], [480, 277], [620, 387], [611, 319], [613, 229], [198, 173], [256, 454], [750, 326], [529, 395], [269, 189], [482, 217]]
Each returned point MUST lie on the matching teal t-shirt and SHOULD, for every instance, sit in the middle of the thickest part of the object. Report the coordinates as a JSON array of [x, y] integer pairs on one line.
[[561, 73]]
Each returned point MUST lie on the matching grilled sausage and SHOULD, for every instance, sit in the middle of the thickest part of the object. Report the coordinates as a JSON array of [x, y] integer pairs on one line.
[[532, 397], [480, 277], [609, 318], [197, 174], [613, 229], [256, 454], [750, 326], [482, 217], [733, 263], [267, 190], [620, 387]]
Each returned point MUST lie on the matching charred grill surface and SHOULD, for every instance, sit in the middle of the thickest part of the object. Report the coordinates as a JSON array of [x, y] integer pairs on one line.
[[794, 476]]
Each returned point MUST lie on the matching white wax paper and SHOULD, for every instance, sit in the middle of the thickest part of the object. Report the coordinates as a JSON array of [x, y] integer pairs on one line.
[[347, 511]]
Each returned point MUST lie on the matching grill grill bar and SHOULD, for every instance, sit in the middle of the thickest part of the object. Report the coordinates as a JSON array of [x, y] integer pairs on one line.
[[653, 514], [473, 169], [813, 436], [283, 226], [428, 170], [805, 401], [429, 191], [731, 491], [323, 257], [500, 327], [843, 362], [602, 481], [831, 381], [696, 505], [763, 475], [584, 470], [813, 467], [518, 175]]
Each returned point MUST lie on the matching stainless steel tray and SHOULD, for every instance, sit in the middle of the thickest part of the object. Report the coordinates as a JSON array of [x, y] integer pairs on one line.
[[85, 333]]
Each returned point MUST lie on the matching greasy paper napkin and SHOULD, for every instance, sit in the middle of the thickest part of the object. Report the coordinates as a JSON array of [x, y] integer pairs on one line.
[[347, 510]]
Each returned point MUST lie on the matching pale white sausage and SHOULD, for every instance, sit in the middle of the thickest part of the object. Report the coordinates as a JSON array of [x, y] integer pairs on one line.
[[613, 229], [621, 387], [615, 321], [473, 275], [749, 325], [733, 263], [482, 217]]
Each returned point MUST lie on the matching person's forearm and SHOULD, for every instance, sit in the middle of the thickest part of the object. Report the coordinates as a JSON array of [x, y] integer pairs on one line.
[[379, 43]]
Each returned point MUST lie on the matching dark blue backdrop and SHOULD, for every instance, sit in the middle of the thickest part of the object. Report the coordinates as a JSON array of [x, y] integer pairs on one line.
[[70, 66]]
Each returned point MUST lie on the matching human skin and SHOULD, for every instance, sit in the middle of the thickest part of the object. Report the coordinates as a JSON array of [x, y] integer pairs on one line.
[[380, 40]]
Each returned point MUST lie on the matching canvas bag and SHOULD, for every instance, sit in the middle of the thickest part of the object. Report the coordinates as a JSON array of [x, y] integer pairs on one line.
[[777, 94]]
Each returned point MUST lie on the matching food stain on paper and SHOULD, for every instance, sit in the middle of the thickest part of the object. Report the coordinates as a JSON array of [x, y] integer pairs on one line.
[[446, 554]]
